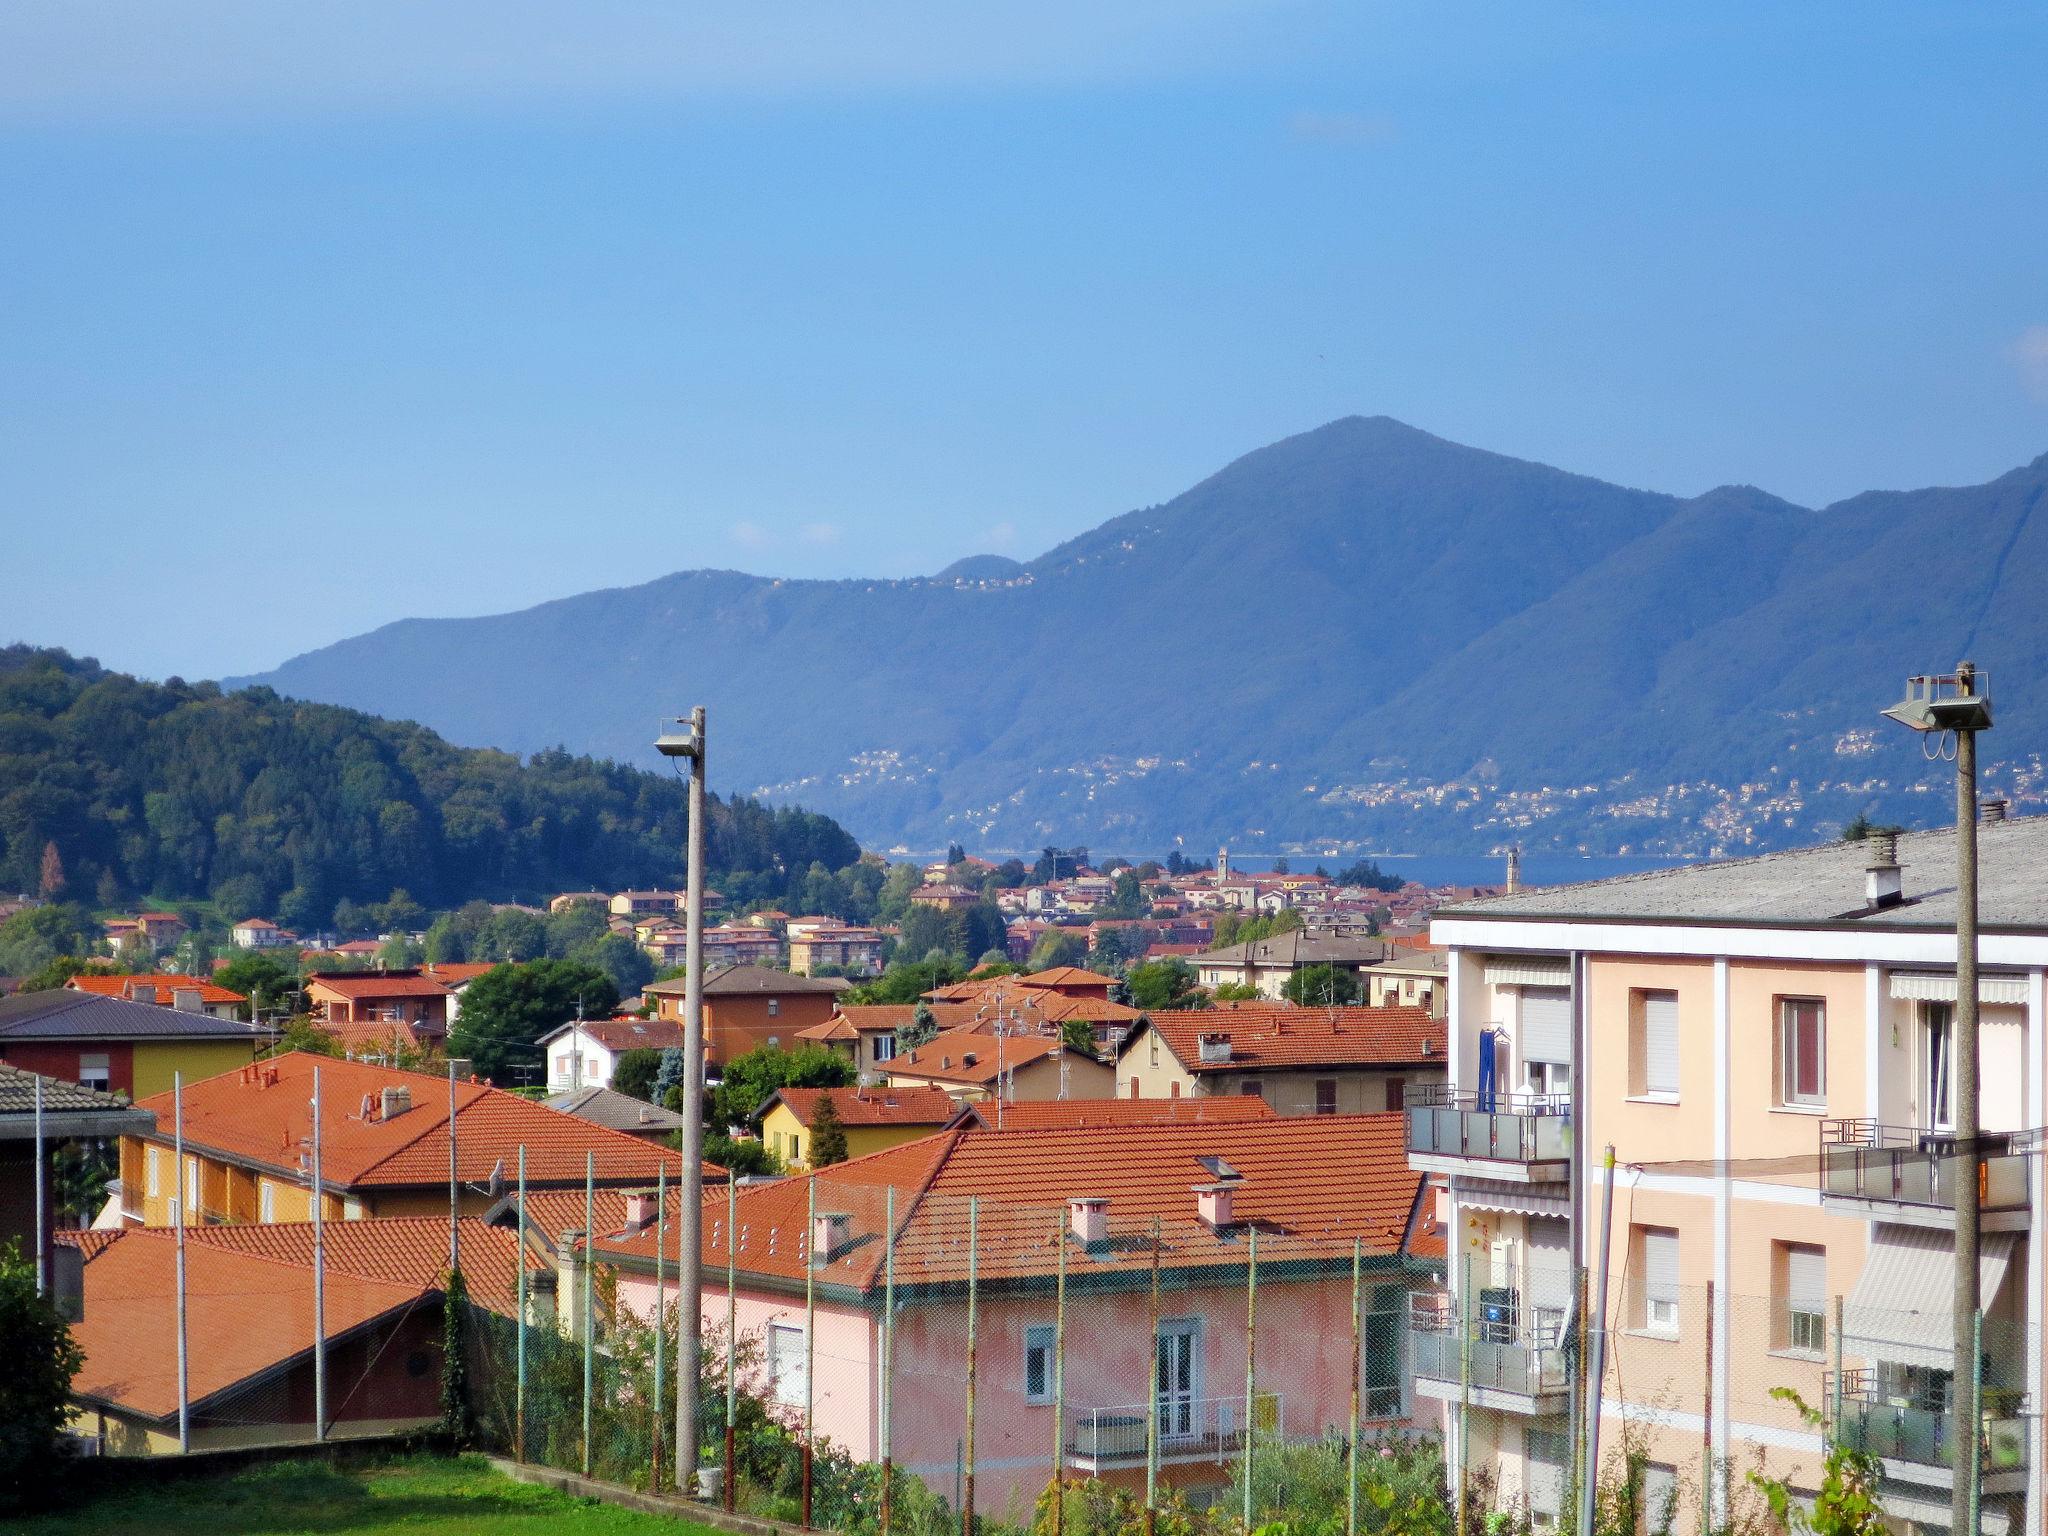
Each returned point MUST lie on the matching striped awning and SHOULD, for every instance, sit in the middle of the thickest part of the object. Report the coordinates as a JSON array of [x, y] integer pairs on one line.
[[1528, 971], [1932, 987], [1903, 1307], [1517, 1199]]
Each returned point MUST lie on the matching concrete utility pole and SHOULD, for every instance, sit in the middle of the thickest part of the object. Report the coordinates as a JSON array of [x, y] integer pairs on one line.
[[689, 743], [1940, 706]]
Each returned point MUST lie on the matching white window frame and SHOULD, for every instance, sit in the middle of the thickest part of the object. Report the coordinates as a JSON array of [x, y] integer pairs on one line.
[[1660, 1079], [1789, 1090], [1660, 1299], [885, 1046], [1039, 1339], [152, 1171], [96, 1070], [1806, 1319], [266, 1200]]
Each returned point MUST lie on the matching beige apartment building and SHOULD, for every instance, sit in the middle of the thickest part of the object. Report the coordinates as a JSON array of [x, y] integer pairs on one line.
[[1766, 1043]]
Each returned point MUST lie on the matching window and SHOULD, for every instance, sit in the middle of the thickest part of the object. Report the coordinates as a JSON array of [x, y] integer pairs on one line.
[[191, 1188], [1654, 1068], [1251, 1088], [1802, 1051], [1326, 1095], [774, 1007], [152, 1175], [1038, 1346], [1549, 1453], [786, 1364], [1803, 1276], [885, 1047], [1385, 1374], [95, 1072], [1660, 1498], [1397, 1093], [1937, 1088], [1657, 1256], [266, 1201]]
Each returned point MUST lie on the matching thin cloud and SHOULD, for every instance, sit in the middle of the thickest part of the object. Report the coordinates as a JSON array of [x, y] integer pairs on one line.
[[2030, 356], [1001, 536], [749, 535], [820, 533], [1350, 130]]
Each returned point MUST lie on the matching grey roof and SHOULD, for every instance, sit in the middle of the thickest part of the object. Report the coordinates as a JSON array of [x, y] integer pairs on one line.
[[1300, 946], [1812, 885], [616, 1111], [752, 980], [65, 1014], [68, 1109]]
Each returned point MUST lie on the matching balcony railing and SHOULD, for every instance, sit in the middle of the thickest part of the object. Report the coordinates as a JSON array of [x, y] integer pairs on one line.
[[1508, 1128], [1900, 1165], [1896, 1430], [1519, 1359], [1190, 1429]]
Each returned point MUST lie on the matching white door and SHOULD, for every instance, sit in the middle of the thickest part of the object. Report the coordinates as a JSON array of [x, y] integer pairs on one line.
[[1179, 1353], [1937, 1079]]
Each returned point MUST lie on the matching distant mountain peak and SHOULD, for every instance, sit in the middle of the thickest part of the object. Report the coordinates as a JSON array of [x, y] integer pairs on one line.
[[981, 568]]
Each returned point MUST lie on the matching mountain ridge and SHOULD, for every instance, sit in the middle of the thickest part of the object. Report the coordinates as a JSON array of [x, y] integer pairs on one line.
[[1360, 635]]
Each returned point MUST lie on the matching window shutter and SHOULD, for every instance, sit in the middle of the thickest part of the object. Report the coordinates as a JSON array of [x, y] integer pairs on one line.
[[1806, 1278], [1546, 1020], [1660, 1264], [1660, 1042]]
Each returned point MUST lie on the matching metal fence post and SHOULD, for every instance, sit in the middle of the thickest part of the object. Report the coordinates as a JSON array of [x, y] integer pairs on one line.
[[1357, 1371], [810, 1253], [589, 1285], [1707, 1423], [178, 1196], [519, 1389], [1835, 1406], [1152, 1398], [1059, 1375], [732, 1333], [888, 1353], [319, 1279], [1251, 1339], [973, 1302], [1464, 1383], [660, 1319], [1974, 1466]]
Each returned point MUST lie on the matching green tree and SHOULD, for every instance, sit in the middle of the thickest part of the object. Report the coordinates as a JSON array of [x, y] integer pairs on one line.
[[508, 1008], [511, 934], [894, 899], [668, 1075], [625, 962], [922, 1028], [1236, 992], [828, 1135], [60, 970], [905, 981], [1367, 875], [742, 1156], [301, 1033], [31, 939], [571, 928], [1056, 947], [262, 978], [35, 1389], [1159, 985], [635, 1071], [457, 1422], [750, 1078], [1323, 986]]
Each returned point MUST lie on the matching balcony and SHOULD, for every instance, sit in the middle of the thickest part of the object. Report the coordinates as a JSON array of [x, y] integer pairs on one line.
[[1515, 1368], [1519, 1138], [1191, 1429], [1897, 1173], [1917, 1444]]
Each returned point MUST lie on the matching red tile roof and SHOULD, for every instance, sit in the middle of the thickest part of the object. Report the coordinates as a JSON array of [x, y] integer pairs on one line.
[[123, 986], [381, 1037], [868, 1106], [1067, 976], [453, 973], [1049, 1114], [262, 1114], [1274, 1035], [362, 984], [970, 1055], [628, 1034], [1311, 1185]]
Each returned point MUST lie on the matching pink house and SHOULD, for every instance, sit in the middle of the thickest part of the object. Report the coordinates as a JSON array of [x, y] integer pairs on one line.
[[1004, 1208]]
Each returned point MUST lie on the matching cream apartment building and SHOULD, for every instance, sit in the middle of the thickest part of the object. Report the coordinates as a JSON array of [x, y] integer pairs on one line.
[[1765, 1042]]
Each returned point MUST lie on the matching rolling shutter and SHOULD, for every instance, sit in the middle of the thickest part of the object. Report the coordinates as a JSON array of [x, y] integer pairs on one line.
[[1660, 1264], [1806, 1279], [1660, 1042], [1546, 1023]]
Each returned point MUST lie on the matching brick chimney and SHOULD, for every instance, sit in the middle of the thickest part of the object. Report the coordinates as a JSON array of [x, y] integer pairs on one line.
[[829, 1231], [1212, 1203], [640, 1208], [1088, 1219]]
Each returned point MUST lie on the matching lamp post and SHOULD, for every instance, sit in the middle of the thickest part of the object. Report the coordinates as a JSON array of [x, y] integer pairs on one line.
[[1941, 706], [686, 740]]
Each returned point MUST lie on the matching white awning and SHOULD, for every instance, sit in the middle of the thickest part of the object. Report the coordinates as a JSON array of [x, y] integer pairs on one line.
[[1928, 987], [1520, 1199], [1903, 1307], [1533, 971]]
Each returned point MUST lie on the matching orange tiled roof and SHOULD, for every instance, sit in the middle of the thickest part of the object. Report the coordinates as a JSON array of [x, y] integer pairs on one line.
[[122, 986], [629, 1034], [382, 1036], [262, 1114], [868, 1106], [946, 1057], [362, 984], [1310, 1184], [838, 1027], [453, 973], [1283, 1035], [246, 1313], [1067, 976], [1048, 1114]]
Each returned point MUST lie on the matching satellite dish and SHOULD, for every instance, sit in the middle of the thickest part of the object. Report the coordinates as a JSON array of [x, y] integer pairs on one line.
[[497, 1180]]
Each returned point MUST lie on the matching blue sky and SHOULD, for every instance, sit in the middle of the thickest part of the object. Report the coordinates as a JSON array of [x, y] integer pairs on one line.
[[322, 315]]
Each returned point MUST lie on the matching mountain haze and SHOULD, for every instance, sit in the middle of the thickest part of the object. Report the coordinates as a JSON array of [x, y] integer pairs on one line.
[[1361, 636]]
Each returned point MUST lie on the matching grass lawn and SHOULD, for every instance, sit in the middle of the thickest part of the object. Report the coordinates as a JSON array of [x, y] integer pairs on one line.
[[419, 1496]]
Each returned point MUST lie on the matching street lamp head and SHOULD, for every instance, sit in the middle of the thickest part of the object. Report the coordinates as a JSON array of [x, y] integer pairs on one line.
[[1955, 701], [678, 740]]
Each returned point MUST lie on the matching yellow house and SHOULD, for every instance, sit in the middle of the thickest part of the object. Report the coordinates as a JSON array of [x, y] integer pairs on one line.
[[131, 1045], [874, 1118], [384, 1146]]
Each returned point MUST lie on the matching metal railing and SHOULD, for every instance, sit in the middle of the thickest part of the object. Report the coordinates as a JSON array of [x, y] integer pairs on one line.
[[1190, 1428], [1897, 1429], [1864, 1160], [1529, 1360], [1510, 1128]]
